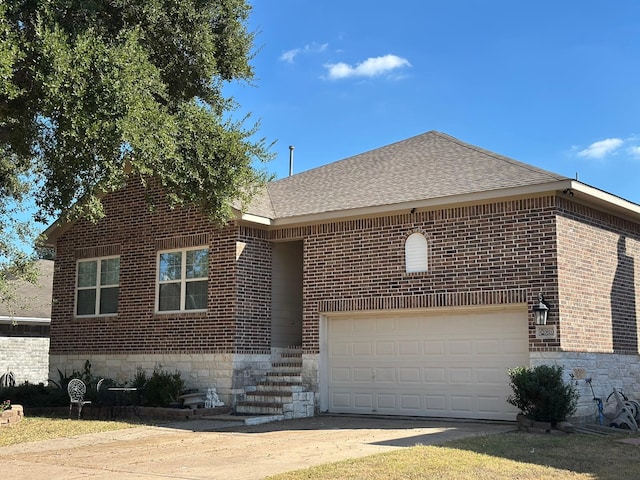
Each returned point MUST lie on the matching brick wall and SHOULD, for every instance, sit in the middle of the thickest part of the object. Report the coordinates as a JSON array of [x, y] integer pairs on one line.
[[498, 253], [599, 263], [490, 254], [254, 290], [136, 233]]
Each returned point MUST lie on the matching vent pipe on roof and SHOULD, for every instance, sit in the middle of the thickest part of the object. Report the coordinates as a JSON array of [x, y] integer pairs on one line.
[[291, 147]]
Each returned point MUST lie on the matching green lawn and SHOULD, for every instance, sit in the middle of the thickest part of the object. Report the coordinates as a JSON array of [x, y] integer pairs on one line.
[[516, 455], [32, 429]]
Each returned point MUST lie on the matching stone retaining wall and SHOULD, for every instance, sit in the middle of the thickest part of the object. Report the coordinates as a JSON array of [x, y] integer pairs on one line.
[[606, 371], [229, 373]]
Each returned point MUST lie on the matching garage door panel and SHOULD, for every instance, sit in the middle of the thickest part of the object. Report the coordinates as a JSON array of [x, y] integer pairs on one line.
[[408, 348], [512, 346], [363, 401], [462, 405], [385, 375], [436, 405], [435, 375], [362, 349], [388, 401], [385, 325], [340, 374], [495, 375], [409, 375], [341, 400], [487, 347], [459, 347], [461, 375], [411, 402], [386, 349], [448, 365], [363, 326], [489, 404], [433, 347], [340, 349], [362, 374]]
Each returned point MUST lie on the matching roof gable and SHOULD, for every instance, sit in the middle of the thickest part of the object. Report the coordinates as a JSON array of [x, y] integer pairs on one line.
[[427, 166]]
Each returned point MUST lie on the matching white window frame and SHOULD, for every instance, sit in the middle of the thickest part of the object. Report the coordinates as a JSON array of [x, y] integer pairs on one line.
[[182, 281], [98, 287], [416, 253]]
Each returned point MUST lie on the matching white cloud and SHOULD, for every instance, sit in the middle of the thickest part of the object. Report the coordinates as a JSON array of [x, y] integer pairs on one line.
[[602, 148], [371, 67], [290, 55], [634, 151]]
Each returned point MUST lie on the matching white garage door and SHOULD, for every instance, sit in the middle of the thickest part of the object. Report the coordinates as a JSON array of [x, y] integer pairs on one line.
[[443, 365]]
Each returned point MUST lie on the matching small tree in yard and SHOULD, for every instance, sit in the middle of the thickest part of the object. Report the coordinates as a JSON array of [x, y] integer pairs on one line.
[[541, 395]]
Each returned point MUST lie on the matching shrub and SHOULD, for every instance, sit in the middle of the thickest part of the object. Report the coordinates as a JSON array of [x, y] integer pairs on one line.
[[540, 393], [162, 388], [32, 395]]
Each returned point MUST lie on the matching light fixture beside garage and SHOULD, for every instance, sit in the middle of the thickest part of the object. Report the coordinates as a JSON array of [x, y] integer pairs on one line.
[[541, 310]]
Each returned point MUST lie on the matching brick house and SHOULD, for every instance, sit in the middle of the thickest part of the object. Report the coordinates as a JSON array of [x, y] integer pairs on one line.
[[24, 328], [404, 279]]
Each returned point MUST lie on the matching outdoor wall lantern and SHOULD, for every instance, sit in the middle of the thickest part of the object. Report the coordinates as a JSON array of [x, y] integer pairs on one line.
[[540, 310]]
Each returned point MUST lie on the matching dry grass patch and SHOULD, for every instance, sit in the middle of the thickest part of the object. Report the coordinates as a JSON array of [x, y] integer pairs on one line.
[[33, 429], [515, 455]]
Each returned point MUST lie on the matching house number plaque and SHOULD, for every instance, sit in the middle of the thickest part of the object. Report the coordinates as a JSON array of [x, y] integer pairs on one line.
[[545, 332]]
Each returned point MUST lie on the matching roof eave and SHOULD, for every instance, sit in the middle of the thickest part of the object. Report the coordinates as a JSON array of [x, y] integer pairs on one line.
[[606, 201], [425, 204], [586, 194], [4, 319]]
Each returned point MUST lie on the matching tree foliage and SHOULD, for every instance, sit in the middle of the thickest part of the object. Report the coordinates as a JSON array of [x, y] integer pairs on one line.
[[96, 93]]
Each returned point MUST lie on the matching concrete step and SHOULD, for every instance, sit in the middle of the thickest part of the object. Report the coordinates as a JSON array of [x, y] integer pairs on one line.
[[286, 367], [259, 408], [287, 377], [246, 419], [290, 387], [269, 397]]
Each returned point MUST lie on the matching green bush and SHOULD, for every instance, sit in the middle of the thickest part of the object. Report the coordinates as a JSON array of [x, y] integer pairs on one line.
[[541, 395], [32, 395], [161, 389]]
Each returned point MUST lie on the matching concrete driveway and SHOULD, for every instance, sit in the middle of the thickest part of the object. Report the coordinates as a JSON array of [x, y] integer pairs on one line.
[[225, 449]]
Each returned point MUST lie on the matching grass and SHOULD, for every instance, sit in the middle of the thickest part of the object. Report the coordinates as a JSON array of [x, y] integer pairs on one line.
[[32, 429], [514, 455]]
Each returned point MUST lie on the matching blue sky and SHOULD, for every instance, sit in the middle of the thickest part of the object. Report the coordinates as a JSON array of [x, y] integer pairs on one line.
[[552, 83]]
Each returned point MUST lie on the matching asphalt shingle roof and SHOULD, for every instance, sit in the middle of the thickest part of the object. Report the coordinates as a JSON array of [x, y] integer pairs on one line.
[[427, 166], [33, 300]]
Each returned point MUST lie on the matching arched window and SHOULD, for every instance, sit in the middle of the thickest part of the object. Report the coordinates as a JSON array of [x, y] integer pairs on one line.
[[415, 253]]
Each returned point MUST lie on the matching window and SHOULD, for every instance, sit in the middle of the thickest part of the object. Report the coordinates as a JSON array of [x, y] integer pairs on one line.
[[183, 280], [415, 252], [97, 286]]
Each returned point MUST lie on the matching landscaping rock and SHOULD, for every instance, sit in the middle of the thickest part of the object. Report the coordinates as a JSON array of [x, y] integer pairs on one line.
[[12, 416]]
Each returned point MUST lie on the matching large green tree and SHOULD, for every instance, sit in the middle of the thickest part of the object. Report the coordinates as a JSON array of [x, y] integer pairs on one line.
[[94, 93]]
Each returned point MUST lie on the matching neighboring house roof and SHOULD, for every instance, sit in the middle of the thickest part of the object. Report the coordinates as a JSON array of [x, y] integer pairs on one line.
[[33, 302]]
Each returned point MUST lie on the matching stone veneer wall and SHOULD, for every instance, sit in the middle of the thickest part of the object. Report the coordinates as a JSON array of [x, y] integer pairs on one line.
[[26, 357], [607, 371], [229, 373]]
